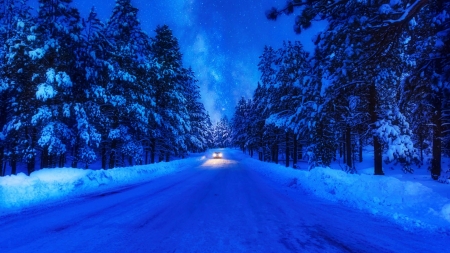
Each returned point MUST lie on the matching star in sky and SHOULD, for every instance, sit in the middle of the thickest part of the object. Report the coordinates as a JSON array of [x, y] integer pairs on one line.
[[221, 40]]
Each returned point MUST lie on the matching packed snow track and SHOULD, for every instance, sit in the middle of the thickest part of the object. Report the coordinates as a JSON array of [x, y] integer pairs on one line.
[[220, 206]]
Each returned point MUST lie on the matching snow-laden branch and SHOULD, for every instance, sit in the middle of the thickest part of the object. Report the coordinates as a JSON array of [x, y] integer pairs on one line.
[[409, 13]]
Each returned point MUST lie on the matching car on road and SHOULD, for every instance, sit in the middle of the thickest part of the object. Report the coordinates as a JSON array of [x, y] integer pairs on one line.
[[217, 155]]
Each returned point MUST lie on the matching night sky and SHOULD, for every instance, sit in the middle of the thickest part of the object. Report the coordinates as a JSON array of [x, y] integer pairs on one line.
[[220, 39]]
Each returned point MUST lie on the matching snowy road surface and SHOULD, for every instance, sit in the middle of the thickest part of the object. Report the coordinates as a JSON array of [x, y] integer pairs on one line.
[[220, 206]]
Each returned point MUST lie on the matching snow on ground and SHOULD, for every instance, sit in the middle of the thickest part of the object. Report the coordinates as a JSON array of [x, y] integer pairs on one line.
[[421, 173], [48, 185], [411, 200]]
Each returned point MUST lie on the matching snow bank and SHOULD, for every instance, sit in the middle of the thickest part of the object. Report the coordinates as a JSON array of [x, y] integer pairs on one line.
[[410, 204], [19, 191]]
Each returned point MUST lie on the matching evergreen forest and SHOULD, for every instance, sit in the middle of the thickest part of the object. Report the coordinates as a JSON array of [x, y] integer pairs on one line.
[[379, 77], [77, 91]]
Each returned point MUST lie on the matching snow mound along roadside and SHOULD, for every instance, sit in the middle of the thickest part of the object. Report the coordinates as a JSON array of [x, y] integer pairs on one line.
[[410, 204], [19, 191]]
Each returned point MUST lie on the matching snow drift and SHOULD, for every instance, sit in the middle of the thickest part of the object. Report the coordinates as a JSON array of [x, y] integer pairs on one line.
[[410, 204], [19, 191]]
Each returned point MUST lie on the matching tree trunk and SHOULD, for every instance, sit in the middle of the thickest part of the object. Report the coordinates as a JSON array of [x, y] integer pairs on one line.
[[62, 161], [161, 156], [56, 160], [75, 156], [31, 163], [112, 155], [261, 144], [295, 153], [152, 157], [2, 158], [348, 144], [277, 150], [421, 140], [377, 147], [44, 158], [167, 156], [287, 149], [4, 168], [13, 164], [300, 148], [51, 163], [3, 114], [104, 156], [272, 152], [437, 142], [344, 147], [378, 156], [360, 149]]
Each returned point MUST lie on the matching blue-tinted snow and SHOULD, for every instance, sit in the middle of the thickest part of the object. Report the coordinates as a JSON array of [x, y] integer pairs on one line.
[[223, 205], [47, 185], [408, 203], [410, 200]]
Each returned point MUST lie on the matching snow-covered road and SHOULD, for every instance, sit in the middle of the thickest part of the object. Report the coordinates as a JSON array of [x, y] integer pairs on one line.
[[220, 206]]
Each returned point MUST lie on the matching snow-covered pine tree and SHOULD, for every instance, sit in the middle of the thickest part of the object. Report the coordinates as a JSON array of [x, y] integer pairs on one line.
[[268, 68], [350, 84], [293, 73], [428, 86], [222, 134], [257, 129], [370, 30], [253, 141], [18, 37], [59, 26], [171, 116], [128, 92], [209, 131], [196, 138], [240, 125], [91, 110]]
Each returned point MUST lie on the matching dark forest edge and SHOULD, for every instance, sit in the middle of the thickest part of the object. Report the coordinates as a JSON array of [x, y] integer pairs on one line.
[[379, 76], [75, 91]]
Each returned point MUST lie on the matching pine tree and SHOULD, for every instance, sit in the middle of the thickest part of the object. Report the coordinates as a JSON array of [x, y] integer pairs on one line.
[[17, 90], [129, 92], [91, 102], [222, 133], [196, 138], [359, 34], [268, 68], [292, 76], [428, 87], [209, 133], [59, 26], [258, 129], [171, 116], [240, 124], [72, 89]]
